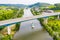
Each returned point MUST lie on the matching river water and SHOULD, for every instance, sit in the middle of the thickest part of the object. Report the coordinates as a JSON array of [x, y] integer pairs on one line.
[[26, 27]]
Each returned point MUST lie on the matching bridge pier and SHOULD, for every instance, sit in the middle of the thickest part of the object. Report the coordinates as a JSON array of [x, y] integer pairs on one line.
[[58, 17], [45, 20]]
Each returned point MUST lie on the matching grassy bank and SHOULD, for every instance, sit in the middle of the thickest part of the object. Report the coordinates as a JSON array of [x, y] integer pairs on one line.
[[9, 13], [52, 26], [56, 10]]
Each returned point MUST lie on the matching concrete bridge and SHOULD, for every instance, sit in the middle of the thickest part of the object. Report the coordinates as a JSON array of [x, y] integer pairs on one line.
[[13, 21]]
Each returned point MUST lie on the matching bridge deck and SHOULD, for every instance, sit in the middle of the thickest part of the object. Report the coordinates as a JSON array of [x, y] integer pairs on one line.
[[12, 21]]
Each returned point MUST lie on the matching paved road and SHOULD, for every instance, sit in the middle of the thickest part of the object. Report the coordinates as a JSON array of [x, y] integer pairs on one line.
[[26, 27]]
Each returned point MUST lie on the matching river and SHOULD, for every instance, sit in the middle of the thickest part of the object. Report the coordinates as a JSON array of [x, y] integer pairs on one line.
[[26, 27]]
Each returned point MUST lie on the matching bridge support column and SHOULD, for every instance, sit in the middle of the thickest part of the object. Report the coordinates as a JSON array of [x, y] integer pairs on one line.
[[58, 16], [17, 26], [9, 30], [45, 20]]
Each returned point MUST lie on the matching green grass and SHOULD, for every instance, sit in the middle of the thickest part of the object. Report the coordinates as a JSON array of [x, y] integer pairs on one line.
[[56, 10], [9, 13], [53, 28]]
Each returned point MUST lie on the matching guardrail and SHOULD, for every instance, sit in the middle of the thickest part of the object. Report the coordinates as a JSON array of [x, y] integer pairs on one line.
[[13, 21]]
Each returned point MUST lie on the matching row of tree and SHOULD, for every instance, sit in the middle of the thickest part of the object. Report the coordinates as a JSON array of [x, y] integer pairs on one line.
[[55, 6]]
